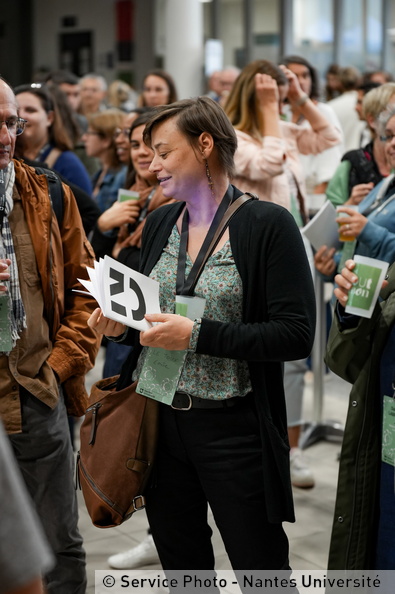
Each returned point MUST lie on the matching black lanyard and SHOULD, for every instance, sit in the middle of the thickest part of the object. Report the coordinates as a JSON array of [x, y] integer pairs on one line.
[[2, 198], [144, 210], [186, 286]]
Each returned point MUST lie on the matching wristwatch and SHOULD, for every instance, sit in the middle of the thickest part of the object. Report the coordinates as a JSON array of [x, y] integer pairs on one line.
[[302, 100]]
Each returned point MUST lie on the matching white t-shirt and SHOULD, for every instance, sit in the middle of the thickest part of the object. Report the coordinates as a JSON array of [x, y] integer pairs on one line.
[[352, 126]]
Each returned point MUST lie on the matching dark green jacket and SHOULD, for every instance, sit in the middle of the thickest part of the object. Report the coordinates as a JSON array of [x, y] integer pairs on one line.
[[354, 355]]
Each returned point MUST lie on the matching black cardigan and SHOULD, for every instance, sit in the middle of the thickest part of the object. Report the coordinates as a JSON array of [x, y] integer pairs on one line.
[[278, 322]]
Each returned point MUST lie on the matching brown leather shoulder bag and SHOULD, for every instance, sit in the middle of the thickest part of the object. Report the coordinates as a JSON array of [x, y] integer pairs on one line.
[[117, 449]]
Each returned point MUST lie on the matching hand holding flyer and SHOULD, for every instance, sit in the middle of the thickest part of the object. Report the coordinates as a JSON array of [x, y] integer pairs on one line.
[[123, 294], [364, 293], [124, 195], [323, 229]]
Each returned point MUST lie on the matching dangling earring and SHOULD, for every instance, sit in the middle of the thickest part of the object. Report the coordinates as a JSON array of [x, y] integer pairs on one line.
[[210, 179]]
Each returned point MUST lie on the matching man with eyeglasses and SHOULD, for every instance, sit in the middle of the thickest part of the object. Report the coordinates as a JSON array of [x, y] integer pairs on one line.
[[46, 346]]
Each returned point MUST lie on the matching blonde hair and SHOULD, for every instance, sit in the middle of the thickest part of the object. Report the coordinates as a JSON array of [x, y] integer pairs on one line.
[[105, 123], [349, 78], [377, 100], [241, 106], [385, 117], [118, 93]]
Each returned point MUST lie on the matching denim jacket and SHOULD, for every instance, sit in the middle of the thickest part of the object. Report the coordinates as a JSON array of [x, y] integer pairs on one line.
[[112, 182]]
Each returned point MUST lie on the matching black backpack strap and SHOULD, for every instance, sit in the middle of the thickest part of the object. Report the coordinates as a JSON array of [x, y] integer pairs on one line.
[[55, 190], [363, 167]]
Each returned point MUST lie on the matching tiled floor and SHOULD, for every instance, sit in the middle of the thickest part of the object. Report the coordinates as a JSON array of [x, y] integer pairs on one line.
[[309, 536]]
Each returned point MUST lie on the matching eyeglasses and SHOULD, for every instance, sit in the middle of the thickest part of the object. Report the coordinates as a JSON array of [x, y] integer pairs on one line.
[[14, 125], [124, 131], [388, 137]]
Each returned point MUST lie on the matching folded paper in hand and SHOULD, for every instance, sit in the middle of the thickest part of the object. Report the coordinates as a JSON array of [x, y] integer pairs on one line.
[[323, 229], [123, 294]]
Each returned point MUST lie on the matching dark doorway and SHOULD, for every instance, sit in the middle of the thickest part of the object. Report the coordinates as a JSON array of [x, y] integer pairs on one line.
[[16, 41], [76, 52]]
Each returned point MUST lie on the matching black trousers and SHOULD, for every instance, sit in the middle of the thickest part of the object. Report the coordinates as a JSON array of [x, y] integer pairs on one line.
[[212, 456]]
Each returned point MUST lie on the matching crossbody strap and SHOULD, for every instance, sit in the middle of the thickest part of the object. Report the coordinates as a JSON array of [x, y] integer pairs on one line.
[[229, 214]]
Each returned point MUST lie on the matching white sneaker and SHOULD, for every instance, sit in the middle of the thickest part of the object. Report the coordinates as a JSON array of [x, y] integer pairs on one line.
[[143, 554], [301, 475]]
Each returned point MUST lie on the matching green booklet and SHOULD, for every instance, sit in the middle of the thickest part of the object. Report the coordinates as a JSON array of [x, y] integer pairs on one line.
[[124, 195], [162, 369], [388, 440], [5, 323], [364, 293]]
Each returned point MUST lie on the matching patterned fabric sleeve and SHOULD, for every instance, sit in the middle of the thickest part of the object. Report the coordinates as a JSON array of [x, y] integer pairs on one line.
[[195, 335]]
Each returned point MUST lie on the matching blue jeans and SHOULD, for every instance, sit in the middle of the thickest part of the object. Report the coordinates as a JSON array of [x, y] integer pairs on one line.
[[385, 548]]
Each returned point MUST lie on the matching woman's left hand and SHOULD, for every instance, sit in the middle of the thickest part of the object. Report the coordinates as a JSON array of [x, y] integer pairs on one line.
[[344, 282], [353, 225], [173, 333]]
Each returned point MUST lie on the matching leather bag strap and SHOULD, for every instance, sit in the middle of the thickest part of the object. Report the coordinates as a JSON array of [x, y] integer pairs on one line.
[[229, 214]]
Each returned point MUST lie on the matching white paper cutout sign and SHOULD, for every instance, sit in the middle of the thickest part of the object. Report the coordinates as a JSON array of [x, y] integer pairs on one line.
[[123, 294]]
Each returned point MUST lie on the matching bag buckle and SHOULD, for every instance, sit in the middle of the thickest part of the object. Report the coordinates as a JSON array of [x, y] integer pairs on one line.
[[184, 407], [138, 502]]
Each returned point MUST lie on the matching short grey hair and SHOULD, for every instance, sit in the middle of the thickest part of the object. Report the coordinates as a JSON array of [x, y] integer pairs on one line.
[[98, 77], [385, 117]]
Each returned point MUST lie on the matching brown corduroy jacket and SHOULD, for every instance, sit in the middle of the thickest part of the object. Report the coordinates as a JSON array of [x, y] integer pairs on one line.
[[62, 253]]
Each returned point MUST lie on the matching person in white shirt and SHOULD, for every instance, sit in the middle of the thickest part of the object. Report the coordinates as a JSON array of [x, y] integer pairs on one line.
[[344, 107], [318, 169]]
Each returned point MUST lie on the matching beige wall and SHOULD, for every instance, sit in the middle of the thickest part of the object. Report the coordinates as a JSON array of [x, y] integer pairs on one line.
[[93, 15], [99, 17]]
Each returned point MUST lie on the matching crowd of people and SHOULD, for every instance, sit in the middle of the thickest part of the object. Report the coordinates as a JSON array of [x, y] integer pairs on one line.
[[266, 129]]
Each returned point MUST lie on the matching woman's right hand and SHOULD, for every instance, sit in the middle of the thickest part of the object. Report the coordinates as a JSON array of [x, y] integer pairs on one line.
[[294, 91], [359, 192], [102, 325], [324, 260], [118, 214], [266, 90], [345, 281], [353, 226]]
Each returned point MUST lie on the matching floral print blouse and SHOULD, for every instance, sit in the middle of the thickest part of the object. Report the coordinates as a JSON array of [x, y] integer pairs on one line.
[[220, 285]]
